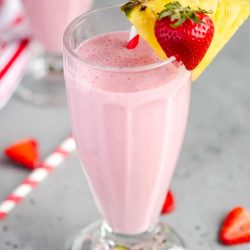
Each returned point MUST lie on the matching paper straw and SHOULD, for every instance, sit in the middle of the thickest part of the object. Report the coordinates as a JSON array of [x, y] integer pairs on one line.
[[15, 52], [14, 58], [133, 38], [37, 176], [13, 24], [11, 54]]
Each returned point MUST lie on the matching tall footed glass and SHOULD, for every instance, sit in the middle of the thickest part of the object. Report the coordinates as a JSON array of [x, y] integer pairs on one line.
[[43, 83], [128, 114]]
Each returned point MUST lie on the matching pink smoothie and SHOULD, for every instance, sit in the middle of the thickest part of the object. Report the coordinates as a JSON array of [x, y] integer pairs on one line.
[[49, 18], [128, 127]]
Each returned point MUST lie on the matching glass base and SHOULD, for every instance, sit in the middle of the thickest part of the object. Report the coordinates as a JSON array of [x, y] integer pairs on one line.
[[43, 82], [98, 236]]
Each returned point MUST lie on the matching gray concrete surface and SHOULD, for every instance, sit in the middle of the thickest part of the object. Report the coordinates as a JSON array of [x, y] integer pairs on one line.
[[212, 176]]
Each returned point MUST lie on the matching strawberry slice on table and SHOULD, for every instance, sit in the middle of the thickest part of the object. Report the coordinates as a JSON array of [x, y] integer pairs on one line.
[[236, 227], [184, 33], [169, 203], [24, 152]]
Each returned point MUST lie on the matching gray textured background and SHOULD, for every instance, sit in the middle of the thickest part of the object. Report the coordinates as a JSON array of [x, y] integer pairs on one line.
[[212, 176]]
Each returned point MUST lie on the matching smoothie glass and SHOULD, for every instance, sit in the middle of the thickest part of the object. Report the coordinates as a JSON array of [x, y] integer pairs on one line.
[[43, 83], [128, 123]]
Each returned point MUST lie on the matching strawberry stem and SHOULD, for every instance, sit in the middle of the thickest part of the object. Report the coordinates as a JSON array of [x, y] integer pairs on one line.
[[176, 12]]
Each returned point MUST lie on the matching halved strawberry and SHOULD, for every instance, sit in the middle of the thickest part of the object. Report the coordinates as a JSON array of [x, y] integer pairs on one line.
[[236, 227], [169, 204], [184, 33], [24, 152]]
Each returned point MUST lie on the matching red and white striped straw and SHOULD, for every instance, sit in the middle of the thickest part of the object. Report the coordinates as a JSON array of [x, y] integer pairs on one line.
[[133, 38], [13, 24], [15, 52], [37, 176], [14, 58]]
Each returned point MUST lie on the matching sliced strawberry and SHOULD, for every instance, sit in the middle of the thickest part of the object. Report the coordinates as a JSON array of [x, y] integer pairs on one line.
[[236, 227], [169, 204], [24, 152], [184, 33]]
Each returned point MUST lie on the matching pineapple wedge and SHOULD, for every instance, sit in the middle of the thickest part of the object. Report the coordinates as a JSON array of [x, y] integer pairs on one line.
[[228, 16]]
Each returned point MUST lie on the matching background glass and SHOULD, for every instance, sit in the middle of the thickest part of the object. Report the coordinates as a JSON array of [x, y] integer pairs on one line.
[[43, 82]]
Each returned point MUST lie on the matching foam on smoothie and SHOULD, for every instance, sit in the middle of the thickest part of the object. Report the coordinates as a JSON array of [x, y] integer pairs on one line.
[[96, 50], [110, 49]]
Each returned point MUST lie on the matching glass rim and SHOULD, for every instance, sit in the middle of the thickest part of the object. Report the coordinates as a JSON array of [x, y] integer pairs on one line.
[[66, 42]]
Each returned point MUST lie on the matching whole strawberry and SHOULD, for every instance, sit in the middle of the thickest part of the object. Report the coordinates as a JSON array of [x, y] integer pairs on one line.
[[184, 33]]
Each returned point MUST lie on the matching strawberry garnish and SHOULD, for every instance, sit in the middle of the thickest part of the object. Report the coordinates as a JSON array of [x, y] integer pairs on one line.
[[24, 152], [184, 33], [236, 227], [169, 204]]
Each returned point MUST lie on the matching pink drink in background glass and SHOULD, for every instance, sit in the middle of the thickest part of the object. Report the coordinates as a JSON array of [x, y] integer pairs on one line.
[[49, 18], [43, 82], [128, 125]]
